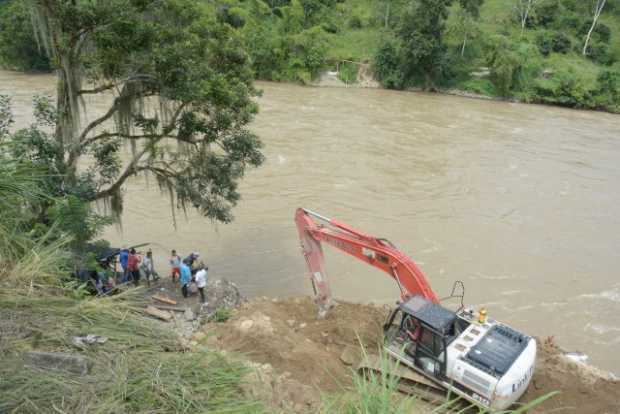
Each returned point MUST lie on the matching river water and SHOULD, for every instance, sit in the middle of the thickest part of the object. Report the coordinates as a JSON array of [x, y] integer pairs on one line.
[[520, 202]]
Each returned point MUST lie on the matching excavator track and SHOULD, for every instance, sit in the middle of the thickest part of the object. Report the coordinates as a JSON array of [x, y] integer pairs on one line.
[[409, 382]]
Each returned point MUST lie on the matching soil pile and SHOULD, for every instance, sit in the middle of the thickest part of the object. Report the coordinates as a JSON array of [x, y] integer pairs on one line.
[[584, 389], [295, 351]]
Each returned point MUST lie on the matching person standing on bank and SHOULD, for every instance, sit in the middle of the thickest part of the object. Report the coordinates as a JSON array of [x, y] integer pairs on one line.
[[201, 281], [148, 267], [123, 256], [133, 262], [175, 264], [186, 277]]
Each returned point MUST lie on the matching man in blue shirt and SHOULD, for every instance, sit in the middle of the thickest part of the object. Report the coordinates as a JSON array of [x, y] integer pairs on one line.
[[123, 258], [186, 277]]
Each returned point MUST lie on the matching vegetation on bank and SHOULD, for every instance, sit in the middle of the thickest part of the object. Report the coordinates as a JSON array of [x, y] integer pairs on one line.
[[550, 51]]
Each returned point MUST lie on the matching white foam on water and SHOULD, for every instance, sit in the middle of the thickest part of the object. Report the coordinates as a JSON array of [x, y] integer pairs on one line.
[[601, 329], [612, 295]]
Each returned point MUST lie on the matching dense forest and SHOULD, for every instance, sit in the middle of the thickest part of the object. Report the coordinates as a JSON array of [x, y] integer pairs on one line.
[[563, 52]]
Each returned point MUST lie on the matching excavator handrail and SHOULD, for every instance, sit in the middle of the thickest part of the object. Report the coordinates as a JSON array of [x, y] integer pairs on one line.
[[377, 252]]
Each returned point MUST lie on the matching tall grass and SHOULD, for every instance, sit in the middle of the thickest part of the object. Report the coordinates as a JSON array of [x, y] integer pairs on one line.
[[140, 369]]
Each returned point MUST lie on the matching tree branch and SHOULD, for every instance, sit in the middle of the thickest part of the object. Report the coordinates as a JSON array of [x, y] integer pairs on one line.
[[131, 169], [98, 89]]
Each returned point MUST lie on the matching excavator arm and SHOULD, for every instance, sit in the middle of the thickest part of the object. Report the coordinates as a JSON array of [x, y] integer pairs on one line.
[[380, 253]]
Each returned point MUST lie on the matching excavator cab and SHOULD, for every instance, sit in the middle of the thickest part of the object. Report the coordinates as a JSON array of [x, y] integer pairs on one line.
[[418, 332]]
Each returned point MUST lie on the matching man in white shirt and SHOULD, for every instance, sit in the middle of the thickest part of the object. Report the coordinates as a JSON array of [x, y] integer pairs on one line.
[[201, 281]]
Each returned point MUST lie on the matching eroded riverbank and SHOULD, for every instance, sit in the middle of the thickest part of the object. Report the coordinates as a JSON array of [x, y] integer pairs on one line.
[[284, 338]]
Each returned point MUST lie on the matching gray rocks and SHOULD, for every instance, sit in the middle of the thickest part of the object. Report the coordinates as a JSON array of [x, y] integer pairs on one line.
[[220, 294], [76, 364]]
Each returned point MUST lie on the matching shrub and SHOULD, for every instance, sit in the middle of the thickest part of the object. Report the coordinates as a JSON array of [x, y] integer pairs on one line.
[[307, 54], [387, 65], [600, 53], [566, 87], [601, 32], [513, 65], [222, 315], [480, 86], [556, 42], [608, 91], [355, 22], [330, 27]]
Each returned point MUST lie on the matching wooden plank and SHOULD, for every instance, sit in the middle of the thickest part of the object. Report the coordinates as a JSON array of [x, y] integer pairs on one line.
[[164, 300], [170, 308], [160, 314]]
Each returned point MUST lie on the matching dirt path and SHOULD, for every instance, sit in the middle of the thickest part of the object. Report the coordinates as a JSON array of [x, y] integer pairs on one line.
[[285, 336]]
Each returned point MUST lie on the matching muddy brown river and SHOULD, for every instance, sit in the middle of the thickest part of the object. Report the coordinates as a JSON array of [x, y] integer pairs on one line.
[[520, 202]]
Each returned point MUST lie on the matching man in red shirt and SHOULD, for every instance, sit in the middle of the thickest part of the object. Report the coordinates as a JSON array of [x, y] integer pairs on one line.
[[133, 261]]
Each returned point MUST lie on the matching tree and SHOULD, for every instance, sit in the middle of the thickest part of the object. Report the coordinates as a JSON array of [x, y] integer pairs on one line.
[[524, 9], [181, 97], [596, 13], [421, 36], [465, 25]]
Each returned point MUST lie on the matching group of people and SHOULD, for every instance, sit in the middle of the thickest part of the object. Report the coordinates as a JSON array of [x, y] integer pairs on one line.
[[190, 273], [133, 266]]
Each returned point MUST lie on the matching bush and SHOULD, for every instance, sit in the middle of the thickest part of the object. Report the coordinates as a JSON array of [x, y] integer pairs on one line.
[[608, 92], [330, 27], [600, 53], [307, 54], [556, 42], [601, 32], [355, 22], [513, 66], [387, 65], [479, 86], [568, 86]]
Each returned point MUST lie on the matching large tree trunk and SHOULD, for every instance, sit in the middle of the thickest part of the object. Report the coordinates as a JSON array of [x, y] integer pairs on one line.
[[67, 114], [597, 13]]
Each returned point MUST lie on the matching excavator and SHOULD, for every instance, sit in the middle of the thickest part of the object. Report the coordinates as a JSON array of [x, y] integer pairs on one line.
[[461, 352]]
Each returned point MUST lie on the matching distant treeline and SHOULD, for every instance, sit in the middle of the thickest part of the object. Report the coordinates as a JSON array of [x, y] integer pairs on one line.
[[563, 52]]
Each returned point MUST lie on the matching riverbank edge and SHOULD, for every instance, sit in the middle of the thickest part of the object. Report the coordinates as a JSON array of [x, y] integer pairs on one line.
[[329, 79]]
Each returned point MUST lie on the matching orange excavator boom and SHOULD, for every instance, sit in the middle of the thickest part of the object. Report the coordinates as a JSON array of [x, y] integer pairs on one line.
[[314, 228]]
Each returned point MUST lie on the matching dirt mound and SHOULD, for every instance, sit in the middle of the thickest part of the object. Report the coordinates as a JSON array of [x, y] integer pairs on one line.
[[294, 350], [287, 335], [584, 389]]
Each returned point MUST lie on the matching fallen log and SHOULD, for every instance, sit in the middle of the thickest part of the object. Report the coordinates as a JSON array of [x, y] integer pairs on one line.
[[170, 308], [160, 314], [164, 300]]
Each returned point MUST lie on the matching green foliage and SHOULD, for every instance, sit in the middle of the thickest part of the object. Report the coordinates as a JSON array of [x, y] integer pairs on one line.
[[388, 66], [307, 51], [355, 22], [347, 72], [222, 315], [479, 86], [608, 93], [189, 58], [423, 50], [65, 209], [513, 65], [557, 42], [569, 84], [18, 46]]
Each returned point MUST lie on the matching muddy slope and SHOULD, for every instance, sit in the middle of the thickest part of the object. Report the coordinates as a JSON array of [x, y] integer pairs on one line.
[[322, 354]]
